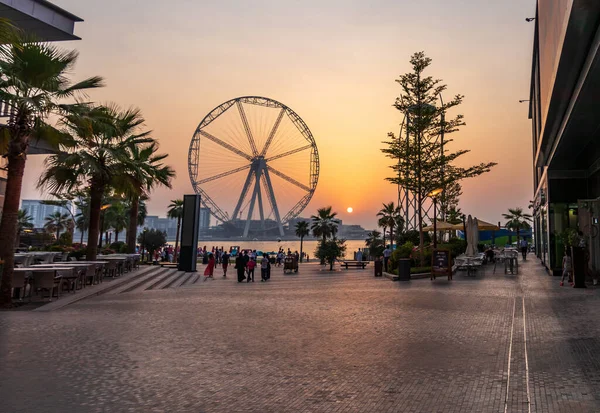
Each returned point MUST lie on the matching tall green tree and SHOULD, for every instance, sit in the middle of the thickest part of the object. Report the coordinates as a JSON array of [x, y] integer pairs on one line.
[[422, 163], [517, 220], [382, 223], [33, 82], [116, 217], [324, 225], [143, 173], [57, 222], [389, 217], [99, 157], [24, 222], [176, 212], [302, 230], [330, 250], [375, 243]]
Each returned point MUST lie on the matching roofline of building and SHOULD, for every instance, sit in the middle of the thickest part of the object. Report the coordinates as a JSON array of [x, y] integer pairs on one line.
[[60, 10]]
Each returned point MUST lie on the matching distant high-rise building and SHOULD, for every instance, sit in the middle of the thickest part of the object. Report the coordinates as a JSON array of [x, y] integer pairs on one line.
[[38, 211], [204, 218]]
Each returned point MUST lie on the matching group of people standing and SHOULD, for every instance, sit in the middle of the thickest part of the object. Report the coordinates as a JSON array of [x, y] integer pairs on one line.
[[245, 265]]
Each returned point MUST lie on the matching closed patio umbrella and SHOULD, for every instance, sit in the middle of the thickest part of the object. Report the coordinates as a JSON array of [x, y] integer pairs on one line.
[[471, 248], [476, 229]]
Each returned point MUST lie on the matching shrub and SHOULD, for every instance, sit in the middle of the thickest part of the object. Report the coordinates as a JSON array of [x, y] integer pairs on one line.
[[412, 236], [78, 253], [116, 245], [403, 251], [66, 238], [108, 251], [56, 248]]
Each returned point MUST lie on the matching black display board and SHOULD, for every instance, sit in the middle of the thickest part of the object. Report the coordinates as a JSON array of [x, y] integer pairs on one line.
[[189, 233], [441, 263]]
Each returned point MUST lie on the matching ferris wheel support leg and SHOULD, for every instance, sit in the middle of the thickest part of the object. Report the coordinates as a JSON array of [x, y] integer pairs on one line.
[[260, 205], [271, 194], [236, 211], [251, 209]]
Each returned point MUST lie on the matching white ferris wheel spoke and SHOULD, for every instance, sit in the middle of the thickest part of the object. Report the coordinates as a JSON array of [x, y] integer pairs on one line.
[[288, 178], [247, 128], [288, 153], [225, 145], [224, 174], [273, 131]]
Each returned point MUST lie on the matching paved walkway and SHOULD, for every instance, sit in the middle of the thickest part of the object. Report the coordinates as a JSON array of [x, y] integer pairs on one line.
[[312, 342]]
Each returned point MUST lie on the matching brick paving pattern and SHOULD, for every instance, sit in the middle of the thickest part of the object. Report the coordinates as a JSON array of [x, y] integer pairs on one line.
[[312, 342]]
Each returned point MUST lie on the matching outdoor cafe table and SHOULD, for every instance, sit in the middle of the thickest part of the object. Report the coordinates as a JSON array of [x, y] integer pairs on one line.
[[45, 268], [63, 267]]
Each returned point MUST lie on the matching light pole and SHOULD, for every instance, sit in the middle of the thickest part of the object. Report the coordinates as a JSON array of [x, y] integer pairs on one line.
[[433, 194]]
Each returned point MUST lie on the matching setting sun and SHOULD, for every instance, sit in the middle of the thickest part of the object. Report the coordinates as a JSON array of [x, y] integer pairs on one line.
[[350, 210]]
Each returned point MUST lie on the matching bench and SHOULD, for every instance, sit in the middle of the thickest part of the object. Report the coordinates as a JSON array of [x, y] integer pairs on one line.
[[355, 264]]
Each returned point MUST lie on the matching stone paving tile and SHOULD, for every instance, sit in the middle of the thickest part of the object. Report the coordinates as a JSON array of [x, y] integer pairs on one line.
[[313, 342]]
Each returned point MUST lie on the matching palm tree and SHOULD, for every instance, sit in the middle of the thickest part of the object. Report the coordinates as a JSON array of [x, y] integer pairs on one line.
[[324, 224], [144, 171], [389, 216], [23, 222], [100, 138], [116, 218], [34, 79], [57, 222], [374, 243], [176, 211], [382, 223], [302, 230], [517, 220]]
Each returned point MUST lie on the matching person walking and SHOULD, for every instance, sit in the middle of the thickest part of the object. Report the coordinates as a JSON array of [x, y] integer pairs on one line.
[[264, 268], [225, 259], [210, 268], [240, 266], [387, 253], [567, 265], [523, 245], [359, 255], [251, 265]]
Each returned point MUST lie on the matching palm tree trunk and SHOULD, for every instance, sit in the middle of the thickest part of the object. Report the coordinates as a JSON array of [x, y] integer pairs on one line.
[[132, 228], [116, 236], [9, 223], [96, 192], [81, 240], [421, 235], [57, 234], [324, 240], [301, 240], [392, 238], [177, 239], [383, 237]]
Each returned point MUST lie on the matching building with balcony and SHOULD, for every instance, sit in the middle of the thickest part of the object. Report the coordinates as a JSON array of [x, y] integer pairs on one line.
[[564, 107], [46, 22]]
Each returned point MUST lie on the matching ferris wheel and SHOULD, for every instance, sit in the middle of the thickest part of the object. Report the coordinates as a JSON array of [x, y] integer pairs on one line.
[[254, 162]]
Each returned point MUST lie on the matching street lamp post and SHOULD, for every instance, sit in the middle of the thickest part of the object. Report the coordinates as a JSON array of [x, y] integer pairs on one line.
[[434, 194]]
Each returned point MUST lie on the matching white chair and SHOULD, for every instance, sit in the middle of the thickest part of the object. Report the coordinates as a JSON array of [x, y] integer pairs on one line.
[[19, 283], [45, 281]]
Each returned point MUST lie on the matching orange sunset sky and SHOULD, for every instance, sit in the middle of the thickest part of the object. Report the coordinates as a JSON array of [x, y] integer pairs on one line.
[[334, 63]]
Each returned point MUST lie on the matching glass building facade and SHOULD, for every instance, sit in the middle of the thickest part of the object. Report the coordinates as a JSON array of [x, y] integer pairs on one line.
[[565, 82]]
